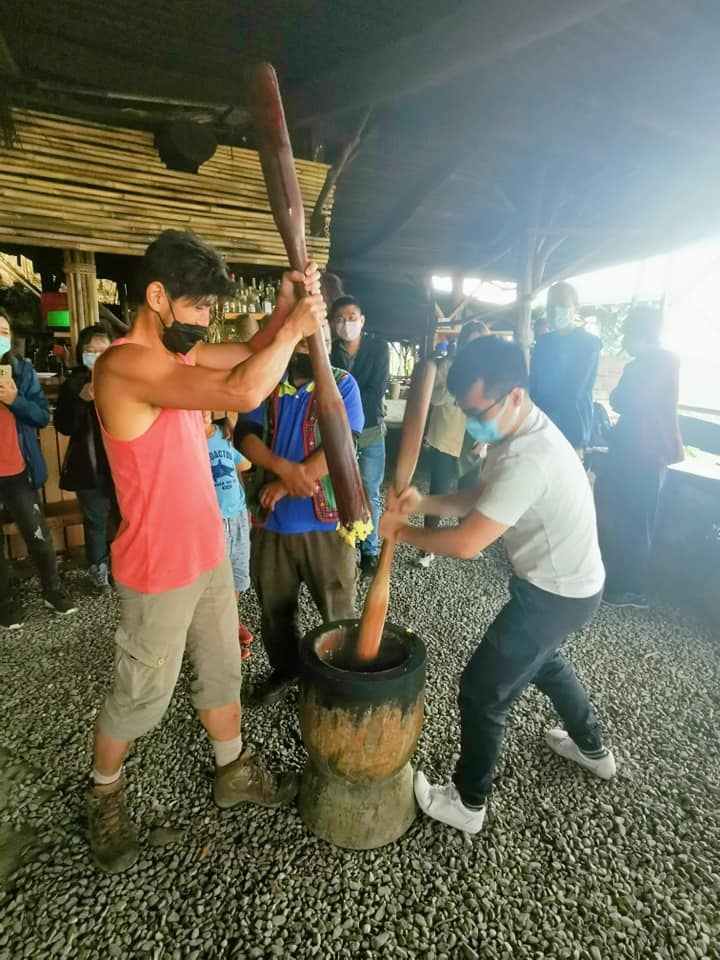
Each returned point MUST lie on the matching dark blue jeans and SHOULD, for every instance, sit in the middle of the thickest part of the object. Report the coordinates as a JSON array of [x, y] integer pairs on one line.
[[443, 479], [95, 506], [521, 646], [21, 502], [371, 461]]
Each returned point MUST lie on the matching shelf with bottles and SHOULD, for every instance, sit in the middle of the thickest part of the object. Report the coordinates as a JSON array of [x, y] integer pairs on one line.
[[235, 327], [258, 297]]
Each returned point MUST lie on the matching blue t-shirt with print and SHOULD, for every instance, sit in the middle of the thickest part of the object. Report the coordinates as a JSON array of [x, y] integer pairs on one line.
[[224, 458], [297, 514]]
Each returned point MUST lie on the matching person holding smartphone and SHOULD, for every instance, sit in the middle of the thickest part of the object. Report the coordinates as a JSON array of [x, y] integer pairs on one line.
[[24, 410]]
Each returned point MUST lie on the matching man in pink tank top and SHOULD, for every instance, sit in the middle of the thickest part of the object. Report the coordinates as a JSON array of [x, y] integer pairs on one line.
[[172, 574]]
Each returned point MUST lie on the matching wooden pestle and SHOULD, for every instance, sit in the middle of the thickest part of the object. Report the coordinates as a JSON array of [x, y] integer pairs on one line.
[[283, 189], [375, 610]]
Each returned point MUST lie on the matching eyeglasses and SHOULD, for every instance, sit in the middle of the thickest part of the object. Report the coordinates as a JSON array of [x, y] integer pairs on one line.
[[481, 414]]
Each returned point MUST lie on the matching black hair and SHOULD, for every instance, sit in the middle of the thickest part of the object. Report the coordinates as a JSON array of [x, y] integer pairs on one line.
[[644, 323], [564, 287], [344, 301], [473, 328], [500, 364], [84, 338], [184, 264]]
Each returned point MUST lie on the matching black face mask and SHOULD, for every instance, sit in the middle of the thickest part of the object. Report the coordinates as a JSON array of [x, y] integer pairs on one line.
[[301, 367], [182, 337]]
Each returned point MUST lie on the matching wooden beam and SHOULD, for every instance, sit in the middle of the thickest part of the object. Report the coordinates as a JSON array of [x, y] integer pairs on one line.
[[8, 67], [523, 328], [98, 93], [319, 226], [397, 215], [6, 264], [474, 36]]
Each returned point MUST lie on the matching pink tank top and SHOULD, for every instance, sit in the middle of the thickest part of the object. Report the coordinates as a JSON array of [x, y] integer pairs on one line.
[[171, 529]]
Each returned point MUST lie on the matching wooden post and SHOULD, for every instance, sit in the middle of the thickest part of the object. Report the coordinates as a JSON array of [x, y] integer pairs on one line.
[[81, 282], [430, 321], [523, 326], [457, 292]]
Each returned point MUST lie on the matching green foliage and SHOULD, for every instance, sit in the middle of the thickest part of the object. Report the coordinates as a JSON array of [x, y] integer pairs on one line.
[[610, 321]]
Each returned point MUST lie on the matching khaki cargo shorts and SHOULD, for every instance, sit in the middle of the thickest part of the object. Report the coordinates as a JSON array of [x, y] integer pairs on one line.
[[155, 630]]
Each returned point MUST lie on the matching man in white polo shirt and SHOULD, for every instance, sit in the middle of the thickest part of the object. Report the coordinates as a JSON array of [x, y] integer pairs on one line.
[[535, 494]]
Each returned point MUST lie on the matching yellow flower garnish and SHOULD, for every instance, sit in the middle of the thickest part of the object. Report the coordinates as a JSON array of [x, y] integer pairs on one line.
[[359, 530]]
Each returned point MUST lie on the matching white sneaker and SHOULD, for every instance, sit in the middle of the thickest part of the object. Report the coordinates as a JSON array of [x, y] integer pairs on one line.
[[443, 803], [425, 559], [561, 742]]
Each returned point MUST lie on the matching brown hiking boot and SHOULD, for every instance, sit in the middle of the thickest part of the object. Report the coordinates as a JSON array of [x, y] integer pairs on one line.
[[246, 781], [113, 840]]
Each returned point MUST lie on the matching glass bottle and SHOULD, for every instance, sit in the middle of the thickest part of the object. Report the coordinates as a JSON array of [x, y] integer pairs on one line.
[[253, 298], [267, 303]]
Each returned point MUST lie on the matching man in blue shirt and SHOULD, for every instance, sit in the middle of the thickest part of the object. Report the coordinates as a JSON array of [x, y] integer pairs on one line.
[[294, 538], [564, 367], [367, 357]]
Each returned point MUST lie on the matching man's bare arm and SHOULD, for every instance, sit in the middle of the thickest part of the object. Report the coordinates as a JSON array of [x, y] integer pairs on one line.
[[220, 356], [457, 504], [465, 541], [144, 376]]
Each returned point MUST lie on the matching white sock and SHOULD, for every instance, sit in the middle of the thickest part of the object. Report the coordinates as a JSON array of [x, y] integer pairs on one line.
[[227, 750], [101, 780]]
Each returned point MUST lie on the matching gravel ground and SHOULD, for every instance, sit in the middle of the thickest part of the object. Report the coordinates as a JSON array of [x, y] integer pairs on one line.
[[567, 866]]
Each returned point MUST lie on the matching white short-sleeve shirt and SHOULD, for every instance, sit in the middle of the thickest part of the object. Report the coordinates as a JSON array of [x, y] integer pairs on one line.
[[534, 483]]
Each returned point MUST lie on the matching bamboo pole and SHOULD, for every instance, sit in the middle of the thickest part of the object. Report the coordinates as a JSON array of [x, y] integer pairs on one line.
[[81, 283]]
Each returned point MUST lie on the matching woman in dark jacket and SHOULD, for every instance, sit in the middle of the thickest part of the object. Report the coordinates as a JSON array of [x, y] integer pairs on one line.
[[85, 469], [23, 411], [645, 441]]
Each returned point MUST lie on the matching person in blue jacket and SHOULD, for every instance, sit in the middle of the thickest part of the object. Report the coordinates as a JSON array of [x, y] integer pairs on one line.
[[564, 367], [23, 411]]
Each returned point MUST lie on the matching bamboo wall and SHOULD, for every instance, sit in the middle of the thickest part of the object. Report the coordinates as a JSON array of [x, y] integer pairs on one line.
[[78, 185]]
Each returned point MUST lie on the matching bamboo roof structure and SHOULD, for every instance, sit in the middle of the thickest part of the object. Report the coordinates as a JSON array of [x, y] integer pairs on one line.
[[86, 186], [461, 136]]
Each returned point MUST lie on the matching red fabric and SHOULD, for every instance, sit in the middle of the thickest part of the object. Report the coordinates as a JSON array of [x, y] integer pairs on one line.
[[171, 529], [11, 458]]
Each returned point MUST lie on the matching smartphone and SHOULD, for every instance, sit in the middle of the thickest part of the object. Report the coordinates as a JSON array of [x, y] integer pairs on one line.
[[5, 371]]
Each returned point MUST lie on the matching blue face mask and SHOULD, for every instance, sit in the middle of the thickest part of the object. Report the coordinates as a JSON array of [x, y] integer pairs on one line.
[[559, 317], [5, 344], [89, 359], [487, 431]]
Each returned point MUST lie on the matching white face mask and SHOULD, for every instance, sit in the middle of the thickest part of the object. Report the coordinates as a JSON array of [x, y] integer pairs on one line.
[[348, 330], [559, 317]]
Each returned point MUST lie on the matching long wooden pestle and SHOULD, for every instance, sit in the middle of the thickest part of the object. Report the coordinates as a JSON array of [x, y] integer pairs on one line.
[[278, 166], [375, 610]]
